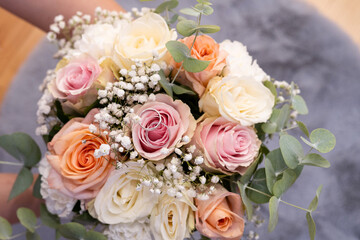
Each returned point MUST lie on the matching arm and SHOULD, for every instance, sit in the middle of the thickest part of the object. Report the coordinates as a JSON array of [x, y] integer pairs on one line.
[[41, 13], [26, 199]]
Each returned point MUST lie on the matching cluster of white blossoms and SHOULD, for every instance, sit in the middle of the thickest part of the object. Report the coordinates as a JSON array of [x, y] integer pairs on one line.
[[286, 91]]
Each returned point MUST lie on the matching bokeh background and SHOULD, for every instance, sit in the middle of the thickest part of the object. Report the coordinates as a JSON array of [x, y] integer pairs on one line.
[[312, 42]]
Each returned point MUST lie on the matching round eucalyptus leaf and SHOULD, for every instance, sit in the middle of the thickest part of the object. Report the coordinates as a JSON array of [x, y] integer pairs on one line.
[[323, 140], [74, 231], [5, 229], [27, 218]]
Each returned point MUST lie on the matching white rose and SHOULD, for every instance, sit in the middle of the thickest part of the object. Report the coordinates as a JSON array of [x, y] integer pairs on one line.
[[240, 63], [172, 218], [56, 202], [143, 37], [125, 231], [118, 201], [98, 39], [238, 99]]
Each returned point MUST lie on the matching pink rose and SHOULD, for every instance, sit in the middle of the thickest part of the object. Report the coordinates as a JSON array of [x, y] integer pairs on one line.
[[228, 146], [221, 216], [75, 171], [75, 79], [163, 124], [205, 48]]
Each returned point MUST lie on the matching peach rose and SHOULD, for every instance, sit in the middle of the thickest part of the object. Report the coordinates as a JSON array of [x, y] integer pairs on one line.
[[205, 48], [221, 216], [228, 147], [163, 124], [75, 171]]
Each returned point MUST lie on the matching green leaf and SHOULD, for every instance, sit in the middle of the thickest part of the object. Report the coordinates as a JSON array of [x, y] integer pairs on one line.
[[291, 150], [278, 120], [204, 9], [47, 218], [22, 147], [245, 200], [245, 178], [178, 50], [23, 181], [287, 180], [5, 229], [190, 12], [270, 175], [194, 65], [311, 225], [60, 112], [93, 235], [258, 183], [314, 203], [303, 128], [182, 90], [208, 28], [314, 159], [73, 231], [57, 234], [273, 212], [186, 27], [204, 2], [27, 218], [174, 18], [165, 84], [37, 187], [323, 140], [85, 219], [299, 105], [166, 6], [32, 236], [271, 87]]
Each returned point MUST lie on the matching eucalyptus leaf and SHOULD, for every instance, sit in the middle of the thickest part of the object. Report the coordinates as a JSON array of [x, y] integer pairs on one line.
[[93, 235], [179, 90], [273, 213], [245, 178], [165, 84], [32, 236], [47, 218], [323, 140], [22, 147], [314, 203], [174, 18], [23, 181], [259, 183], [311, 225], [27, 218], [5, 229], [299, 105], [204, 2], [36, 188], [303, 128], [291, 150], [287, 180], [178, 50], [190, 12], [283, 117], [167, 5], [270, 175], [85, 218], [271, 87], [186, 27], [194, 65], [316, 160], [208, 28], [246, 201], [204, 9], [64, 118], [269, 127], [74, 231]]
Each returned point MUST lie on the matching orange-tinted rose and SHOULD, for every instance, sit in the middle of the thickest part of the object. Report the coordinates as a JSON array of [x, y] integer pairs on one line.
[[221, 216], [205, 48], [75, 170]]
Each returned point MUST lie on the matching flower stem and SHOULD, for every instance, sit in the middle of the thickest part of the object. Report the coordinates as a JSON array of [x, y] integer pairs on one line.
[[11, 163]]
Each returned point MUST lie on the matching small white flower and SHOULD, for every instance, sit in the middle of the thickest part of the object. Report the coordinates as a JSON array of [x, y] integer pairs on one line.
[[141, 162], [157, 191], [175, 161], [155, 67], [203, 197], [199, 160], [179, 195], [171, 192], [92, 128], [146, 183], [160, 167], [187, 157], [105, 149], [202, 179], [191, 193], [215, 179], [133, 154], [191, 149], [173, 168], [164, 151]]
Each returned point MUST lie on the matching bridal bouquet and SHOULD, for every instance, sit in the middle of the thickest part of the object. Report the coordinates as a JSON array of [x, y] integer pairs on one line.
[[156, 132]]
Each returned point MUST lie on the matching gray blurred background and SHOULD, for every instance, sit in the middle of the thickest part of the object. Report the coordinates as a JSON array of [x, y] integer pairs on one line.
[[291, 42]]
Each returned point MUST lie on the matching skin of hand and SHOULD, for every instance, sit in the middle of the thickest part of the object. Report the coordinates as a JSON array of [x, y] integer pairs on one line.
[[41, 13]]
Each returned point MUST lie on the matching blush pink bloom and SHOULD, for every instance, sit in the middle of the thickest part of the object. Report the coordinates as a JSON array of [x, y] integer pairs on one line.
[[75, 79], [221, 216], [75, 171], [228, 146], [164, 122], [205, 48]]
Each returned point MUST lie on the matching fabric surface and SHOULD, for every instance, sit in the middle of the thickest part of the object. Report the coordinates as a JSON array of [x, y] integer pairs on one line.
[[291, 42]]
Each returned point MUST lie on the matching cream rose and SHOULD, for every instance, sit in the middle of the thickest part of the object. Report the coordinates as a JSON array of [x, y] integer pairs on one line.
[[238, 99], [119, 201], [172, 218], [143, 37], [240, 63]]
